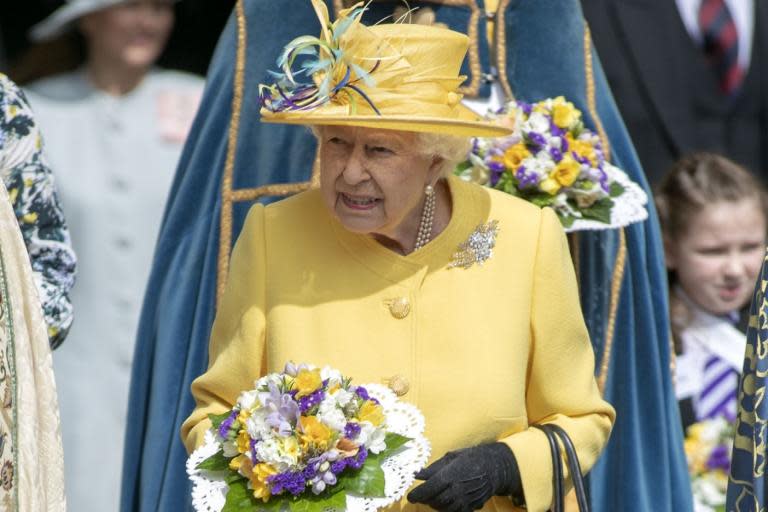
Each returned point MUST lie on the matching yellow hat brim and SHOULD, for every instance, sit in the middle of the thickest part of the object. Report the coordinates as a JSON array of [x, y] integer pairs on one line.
[[466, 124]]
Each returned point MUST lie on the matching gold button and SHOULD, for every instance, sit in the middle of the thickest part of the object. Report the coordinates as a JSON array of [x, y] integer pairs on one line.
[[452, 99], [399, 385], [399, 307]]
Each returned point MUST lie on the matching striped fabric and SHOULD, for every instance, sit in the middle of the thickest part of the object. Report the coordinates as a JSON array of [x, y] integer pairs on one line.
[[721, 44], [718, 396]]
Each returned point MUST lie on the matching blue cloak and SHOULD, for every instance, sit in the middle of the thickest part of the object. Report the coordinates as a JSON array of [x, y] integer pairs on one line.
[[543, 52], [747, 485]]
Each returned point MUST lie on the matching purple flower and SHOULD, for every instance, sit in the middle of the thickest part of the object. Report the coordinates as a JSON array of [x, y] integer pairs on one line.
[[309, 401], [226, 425], [537, 139], [497, 169], [527, 108], [720, 458], [362, 392], [292, 481], [351, 430], [526, 179], [556, 130], [358, 460], [556, 154], [283, 410]]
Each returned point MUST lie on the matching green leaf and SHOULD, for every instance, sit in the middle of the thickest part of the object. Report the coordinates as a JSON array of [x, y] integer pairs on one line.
[[616, 189], [600, 211], [239, 497], [394, 442], [335, 499], [463, 166], [566, 220], [216, 462], [367, 481], [216, 419]]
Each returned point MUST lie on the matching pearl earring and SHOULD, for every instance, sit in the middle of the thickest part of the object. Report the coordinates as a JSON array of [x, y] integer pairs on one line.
[[427, 218]]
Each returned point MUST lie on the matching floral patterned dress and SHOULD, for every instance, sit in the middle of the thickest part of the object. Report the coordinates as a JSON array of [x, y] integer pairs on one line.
[[29, 182]]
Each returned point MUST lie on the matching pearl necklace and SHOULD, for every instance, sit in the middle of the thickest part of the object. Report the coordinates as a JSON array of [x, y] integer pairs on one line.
[[427, 219]]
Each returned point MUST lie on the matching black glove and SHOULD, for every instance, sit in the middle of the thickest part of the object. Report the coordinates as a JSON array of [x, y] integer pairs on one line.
[[465, 479]]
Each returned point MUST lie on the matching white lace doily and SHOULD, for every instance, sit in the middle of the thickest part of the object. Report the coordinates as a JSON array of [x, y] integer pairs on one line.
[[627, 209], [209, 489]]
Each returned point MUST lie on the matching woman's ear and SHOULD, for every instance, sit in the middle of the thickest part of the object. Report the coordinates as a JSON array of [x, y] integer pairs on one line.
[[435, 169]]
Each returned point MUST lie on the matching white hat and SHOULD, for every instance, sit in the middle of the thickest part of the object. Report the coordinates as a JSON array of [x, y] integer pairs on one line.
[[62, 18]]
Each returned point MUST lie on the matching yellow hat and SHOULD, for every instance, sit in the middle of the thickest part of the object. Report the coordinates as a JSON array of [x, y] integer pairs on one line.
[[390, 76]]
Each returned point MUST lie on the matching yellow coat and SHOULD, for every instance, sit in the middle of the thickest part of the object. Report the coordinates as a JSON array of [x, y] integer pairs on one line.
[[483, 352]]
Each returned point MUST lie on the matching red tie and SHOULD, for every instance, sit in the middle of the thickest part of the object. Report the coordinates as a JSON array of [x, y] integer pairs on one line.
[[721, 44]]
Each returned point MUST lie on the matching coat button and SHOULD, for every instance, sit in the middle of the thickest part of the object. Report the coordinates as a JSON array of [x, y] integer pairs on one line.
[[399, 385], [399, 307]]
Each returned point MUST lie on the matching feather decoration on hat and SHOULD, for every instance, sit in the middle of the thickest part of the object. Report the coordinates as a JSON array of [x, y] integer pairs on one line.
[[335, 74]]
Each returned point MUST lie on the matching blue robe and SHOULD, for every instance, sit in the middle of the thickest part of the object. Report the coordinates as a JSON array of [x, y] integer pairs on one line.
[[747, 489], [643, 467]]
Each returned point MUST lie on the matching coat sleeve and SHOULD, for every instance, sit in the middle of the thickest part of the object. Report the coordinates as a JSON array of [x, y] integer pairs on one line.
[[561, 387], [235, 354], [30, 183]]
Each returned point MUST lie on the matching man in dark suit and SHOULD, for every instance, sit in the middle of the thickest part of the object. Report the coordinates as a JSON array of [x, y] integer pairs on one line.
[[687, 75]]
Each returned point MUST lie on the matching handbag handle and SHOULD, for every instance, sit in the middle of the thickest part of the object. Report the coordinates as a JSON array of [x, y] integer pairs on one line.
[[553, 432]]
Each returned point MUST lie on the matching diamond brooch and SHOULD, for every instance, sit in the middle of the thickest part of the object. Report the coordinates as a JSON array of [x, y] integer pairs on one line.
[[478, 248]]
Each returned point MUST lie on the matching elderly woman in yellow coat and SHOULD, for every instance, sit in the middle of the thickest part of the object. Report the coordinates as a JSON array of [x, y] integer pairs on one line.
[[461, 298]]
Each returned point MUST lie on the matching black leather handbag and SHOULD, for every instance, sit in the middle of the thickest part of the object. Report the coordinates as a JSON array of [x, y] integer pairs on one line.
[[553, 433]]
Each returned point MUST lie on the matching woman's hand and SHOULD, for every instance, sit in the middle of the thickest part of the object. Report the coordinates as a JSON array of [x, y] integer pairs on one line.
[[465, 479]]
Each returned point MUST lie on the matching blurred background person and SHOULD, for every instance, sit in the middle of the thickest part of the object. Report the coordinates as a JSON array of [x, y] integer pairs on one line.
[[31, 227], [688, 75], [714, 218], [115, 128]]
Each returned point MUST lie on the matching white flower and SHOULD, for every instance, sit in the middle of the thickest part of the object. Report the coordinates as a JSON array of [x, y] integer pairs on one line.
[[331, 415], [332, 375], [263, 383], [270, 451], [372, 437], [256, 425], [229, 447], [538, 123], [248, 400], [342, 396]]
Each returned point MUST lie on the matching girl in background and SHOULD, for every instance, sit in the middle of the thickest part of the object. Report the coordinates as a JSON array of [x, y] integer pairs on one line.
[[714, 216]]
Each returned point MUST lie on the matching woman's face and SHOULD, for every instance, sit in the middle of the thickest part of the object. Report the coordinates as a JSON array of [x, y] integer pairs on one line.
[[718, 259], [373, 181], [133, 33]]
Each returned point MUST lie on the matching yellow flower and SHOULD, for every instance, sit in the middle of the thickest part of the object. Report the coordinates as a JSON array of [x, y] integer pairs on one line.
[[243, 416], [583, 149], [238, 462], [307, 381], [564, 114], [243, 441], [514, 156], [259, 481], [313, 433], [12, 195], [550, 186], [29, 218], [567, 171], [371, 412], [290, 447]]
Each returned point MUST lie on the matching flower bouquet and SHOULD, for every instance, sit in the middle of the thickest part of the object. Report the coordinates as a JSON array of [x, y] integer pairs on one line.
[[308, 440], [551, 159], [708, 450]]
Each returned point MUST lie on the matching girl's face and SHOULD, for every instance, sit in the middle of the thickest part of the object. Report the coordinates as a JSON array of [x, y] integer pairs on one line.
[[718, 258], [133, 33]]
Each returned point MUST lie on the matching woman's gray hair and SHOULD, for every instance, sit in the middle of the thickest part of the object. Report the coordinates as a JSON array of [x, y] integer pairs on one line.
[[451, 149]]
